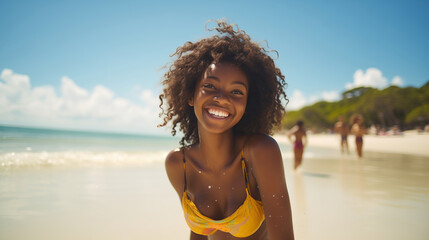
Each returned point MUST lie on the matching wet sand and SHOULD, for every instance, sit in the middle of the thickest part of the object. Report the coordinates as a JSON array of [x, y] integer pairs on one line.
[[333, 196], [382, 196], [109, 203]]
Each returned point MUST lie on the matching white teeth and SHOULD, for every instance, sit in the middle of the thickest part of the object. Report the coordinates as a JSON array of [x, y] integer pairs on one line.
[[218, 113]]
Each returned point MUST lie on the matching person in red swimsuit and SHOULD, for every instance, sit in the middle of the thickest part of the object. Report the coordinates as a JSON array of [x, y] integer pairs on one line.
[[358, 129], [299, 142]]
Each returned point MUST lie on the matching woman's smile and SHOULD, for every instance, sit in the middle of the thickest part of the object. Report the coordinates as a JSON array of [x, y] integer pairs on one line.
[[219, 114]]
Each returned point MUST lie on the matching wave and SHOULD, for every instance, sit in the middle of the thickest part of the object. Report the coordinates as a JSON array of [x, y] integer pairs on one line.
[[13, 160], [32, 159]]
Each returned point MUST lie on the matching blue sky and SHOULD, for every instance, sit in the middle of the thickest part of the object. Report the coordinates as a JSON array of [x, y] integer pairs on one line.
[[97, 65]]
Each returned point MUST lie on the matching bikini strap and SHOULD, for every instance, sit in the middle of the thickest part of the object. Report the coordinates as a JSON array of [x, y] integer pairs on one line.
[[244, 166], [184, 168]]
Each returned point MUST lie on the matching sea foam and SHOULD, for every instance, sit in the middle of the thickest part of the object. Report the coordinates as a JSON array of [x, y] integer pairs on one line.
[[79, 158]]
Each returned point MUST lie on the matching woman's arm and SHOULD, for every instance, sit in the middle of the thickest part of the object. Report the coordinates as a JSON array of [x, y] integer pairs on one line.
[[305, 139], [268, 170], [175, 171], [363, 130], [176, 175], [291, 132]]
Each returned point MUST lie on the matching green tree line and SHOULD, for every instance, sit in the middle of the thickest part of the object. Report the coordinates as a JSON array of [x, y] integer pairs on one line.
[[406, 107]]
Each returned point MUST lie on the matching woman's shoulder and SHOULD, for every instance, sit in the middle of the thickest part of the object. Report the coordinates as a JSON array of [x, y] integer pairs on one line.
[[175, 168], [174, 157], [263, 154], [260, 144]]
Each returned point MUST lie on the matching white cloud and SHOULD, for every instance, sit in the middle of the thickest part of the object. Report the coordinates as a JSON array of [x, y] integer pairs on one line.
[[16, 87], [71, 91], [372, 77], [397, 81], [147, 97], [299, 100], [331, 96], [313, 99], [75, 107]]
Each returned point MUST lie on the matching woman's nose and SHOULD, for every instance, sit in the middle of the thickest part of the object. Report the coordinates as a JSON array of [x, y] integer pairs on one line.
[[220, 97]]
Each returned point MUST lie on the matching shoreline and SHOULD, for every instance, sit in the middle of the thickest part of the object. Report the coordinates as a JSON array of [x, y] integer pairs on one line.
[[408, 143]]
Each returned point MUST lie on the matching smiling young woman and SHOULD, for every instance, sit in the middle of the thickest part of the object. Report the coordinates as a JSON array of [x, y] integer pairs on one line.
[[220, 98], [225, 94]]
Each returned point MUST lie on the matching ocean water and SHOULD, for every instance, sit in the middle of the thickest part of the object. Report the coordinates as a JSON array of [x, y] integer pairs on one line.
[[31, 147]]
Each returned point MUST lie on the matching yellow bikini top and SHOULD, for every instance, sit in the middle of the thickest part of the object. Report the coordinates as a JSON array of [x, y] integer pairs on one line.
[[245, 221]]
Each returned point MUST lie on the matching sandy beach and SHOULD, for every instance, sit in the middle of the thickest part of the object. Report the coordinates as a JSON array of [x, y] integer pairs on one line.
[[122, 193], [410, 142]]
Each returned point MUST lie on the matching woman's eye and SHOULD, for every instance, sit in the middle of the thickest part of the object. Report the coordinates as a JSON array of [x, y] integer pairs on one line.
[[208, 85], [237, 92]]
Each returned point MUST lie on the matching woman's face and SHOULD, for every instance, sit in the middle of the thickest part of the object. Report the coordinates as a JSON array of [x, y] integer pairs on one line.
[[220, 97]]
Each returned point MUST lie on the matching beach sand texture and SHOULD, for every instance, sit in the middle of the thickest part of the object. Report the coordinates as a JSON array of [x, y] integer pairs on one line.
[[385, 195], [410, 142]]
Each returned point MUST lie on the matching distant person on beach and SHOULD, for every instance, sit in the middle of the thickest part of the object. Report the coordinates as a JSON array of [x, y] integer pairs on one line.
[[343, 129], [225, 94], [299, 142], [358, 130]]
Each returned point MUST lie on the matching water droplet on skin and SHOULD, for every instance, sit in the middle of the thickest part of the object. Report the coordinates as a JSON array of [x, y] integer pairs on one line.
[[269, 215], [199, 171], [210, 186], [219, 187], [282, 196], [215, 200], [274, 195], [208, 206]]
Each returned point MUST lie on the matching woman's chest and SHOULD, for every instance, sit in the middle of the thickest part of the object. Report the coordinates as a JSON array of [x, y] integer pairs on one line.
[[217, 197]]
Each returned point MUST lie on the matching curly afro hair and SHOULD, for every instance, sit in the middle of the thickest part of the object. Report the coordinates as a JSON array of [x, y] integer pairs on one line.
[[264, 109]]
